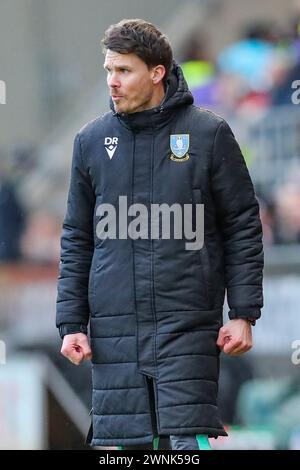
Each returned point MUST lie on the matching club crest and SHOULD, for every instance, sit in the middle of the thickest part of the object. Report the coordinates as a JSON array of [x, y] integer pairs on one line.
[[179, 144]]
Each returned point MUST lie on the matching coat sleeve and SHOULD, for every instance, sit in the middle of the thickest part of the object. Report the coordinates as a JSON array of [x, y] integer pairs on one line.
[[77, 248], [238, 217]]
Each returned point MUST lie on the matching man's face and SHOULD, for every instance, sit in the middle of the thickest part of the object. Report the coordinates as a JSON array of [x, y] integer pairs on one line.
[[129, 81]]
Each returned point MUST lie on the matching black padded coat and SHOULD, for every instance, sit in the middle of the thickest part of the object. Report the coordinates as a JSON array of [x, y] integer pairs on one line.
[[154, 307]]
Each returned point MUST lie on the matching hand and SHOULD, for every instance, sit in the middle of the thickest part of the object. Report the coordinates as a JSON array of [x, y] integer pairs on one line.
[[235, 337], [76, 348]]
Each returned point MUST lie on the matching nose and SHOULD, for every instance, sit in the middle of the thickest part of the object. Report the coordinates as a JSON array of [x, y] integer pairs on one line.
[[113, 81]]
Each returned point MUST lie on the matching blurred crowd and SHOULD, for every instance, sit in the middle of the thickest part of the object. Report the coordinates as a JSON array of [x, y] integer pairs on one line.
[[250, 78], [252, 74], [25, 235]]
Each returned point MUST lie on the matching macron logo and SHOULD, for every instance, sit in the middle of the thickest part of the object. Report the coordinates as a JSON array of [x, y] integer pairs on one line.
[[110, 144]]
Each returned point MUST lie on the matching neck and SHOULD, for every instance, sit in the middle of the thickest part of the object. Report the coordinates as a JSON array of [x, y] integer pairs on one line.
[[158, 96]]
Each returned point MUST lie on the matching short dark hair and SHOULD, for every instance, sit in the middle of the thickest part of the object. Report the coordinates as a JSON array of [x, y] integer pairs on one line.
[[141, 38]]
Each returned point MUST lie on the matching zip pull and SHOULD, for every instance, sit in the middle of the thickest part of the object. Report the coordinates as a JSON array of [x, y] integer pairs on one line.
[[203, 442], [155, 443]]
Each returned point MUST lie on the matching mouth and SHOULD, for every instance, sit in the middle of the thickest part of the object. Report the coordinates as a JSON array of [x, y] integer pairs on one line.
[[116, 97]]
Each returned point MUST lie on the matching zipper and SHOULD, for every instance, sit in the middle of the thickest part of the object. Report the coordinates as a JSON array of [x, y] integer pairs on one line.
[[149, 378], [133, 255], [152, 259]]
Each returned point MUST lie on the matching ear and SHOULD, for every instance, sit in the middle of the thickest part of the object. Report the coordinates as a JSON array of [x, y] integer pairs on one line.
[[158, 73]]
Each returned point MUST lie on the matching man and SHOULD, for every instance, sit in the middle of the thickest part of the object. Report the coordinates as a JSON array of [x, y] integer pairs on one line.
[[155, 305]]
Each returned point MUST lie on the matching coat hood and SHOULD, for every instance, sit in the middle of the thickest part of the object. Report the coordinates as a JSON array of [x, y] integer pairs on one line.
[[177, 94]]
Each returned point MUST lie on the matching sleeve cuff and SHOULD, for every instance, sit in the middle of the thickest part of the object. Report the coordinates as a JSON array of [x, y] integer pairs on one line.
[[71, 328], [250, 313]]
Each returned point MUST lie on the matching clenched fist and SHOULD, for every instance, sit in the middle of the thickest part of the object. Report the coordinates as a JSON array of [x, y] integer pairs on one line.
[[76, 348], [235, 337]]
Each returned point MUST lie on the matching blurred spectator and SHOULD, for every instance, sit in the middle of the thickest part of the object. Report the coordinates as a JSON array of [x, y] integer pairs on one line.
[[269, 220], [287, 199], [22, 161], [234, 372], [290, 71], [199, 70], [251, 57], [282, 92], [41, 242], [12, 222], [196, 62]]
